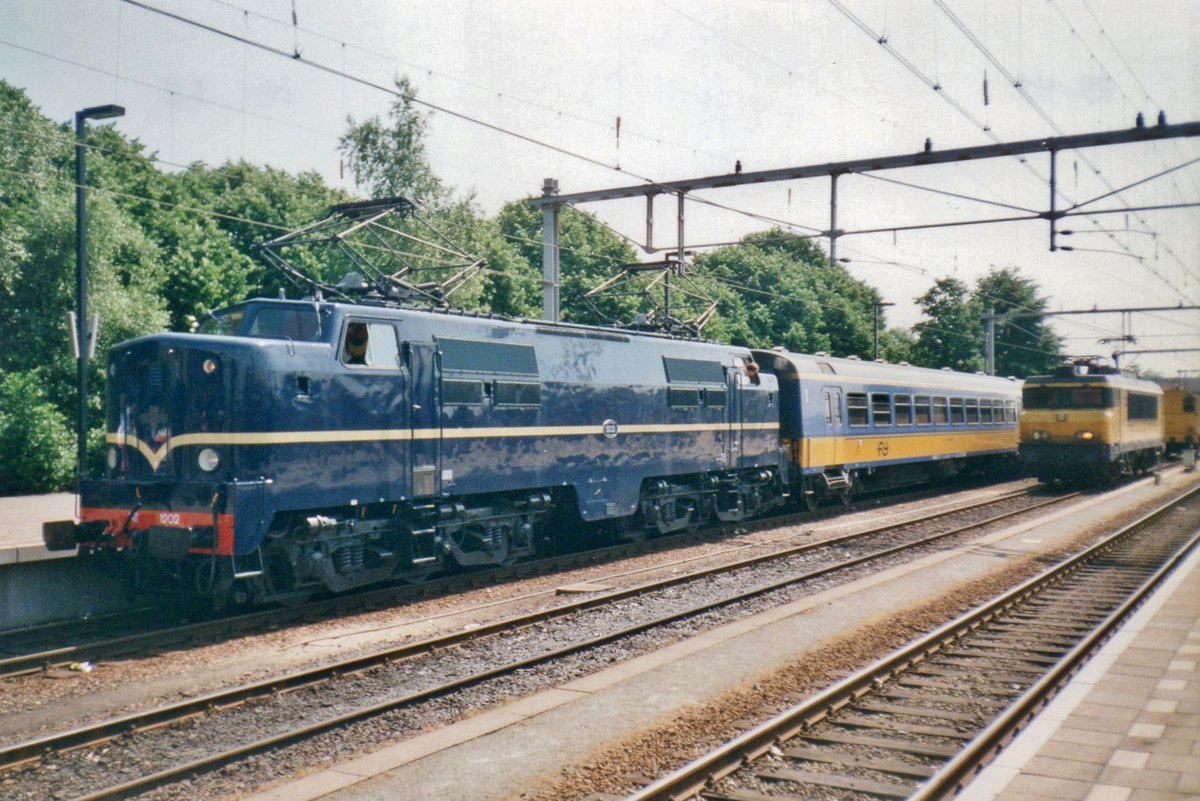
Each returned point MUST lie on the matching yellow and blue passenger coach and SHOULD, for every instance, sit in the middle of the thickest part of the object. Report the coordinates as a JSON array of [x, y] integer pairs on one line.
[[291, 446], [1089, 423], [850, 424]]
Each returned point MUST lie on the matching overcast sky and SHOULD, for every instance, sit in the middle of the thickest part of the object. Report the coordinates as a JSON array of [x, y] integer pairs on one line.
[[698, 86]]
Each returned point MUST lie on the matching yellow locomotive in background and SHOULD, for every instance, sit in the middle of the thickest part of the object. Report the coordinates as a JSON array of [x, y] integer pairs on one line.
[[1181, 410], [1089, 423]]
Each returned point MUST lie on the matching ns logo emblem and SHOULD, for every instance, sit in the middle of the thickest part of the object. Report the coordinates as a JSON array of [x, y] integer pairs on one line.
[[882, 447], [610, 429]]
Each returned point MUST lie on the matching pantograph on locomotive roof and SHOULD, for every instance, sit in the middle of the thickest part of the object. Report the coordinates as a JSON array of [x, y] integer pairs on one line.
[[386, 249]]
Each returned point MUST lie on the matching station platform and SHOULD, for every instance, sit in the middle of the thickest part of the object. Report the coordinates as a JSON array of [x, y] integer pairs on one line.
[[1139, 739], [1127, 728], [21, 519]]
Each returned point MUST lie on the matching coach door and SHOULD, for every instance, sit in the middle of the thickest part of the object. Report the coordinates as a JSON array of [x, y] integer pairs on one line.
[[830, 448], [425, 454]]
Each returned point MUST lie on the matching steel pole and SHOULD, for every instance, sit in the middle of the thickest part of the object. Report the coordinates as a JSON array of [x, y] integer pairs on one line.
[[81, 288]]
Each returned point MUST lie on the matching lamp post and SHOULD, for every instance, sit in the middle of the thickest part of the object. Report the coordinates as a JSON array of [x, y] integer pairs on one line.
[[81, 285], [879, 305]]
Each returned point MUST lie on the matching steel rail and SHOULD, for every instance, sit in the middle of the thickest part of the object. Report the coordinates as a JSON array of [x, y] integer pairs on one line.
[[691, 779], [1000, 732], [211, 630], [93, 734]]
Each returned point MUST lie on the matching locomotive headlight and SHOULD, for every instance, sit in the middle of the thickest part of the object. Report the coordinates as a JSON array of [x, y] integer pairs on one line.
[[1084, 435], [210, 366], [208, 460], [1041, 435]]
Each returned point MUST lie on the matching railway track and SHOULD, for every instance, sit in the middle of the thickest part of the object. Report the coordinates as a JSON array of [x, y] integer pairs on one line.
[[452, 665], [921, 722], [141, 630]]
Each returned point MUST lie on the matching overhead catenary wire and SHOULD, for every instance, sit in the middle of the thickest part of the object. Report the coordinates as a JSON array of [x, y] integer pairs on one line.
[[882, 40], [814, 229], [1018, 85], [1112, 78], [607, 124]]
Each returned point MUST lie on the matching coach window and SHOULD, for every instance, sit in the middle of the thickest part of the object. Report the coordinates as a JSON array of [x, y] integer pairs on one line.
[[987, 416], [856, 408], [973, 411], [881, 408], [957, 415], [371, 345], [904, 410], [941, 411], [922, 404]]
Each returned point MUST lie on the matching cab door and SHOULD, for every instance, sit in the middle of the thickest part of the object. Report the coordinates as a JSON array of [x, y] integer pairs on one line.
[[733, 414], [425, 455]]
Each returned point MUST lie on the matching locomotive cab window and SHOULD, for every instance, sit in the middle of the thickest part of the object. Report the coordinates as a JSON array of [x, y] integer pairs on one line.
[[367, 344], [301, 323], [856, 408]]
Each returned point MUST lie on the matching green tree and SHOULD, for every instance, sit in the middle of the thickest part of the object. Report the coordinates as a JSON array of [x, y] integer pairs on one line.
[[253, 204], [896, 345], [36, 441], [1025, 345], [952, 334], [589, 254], [780, 289], [387, 157]]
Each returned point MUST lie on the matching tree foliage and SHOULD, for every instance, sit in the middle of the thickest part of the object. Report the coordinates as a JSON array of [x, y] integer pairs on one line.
[[166, 245], [779, 289], [954, 331], [35, 438], [1025, 345], [387, 157], [952, 334]]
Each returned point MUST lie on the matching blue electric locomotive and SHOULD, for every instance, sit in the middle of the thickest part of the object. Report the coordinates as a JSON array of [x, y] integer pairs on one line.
[[299, 445]]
